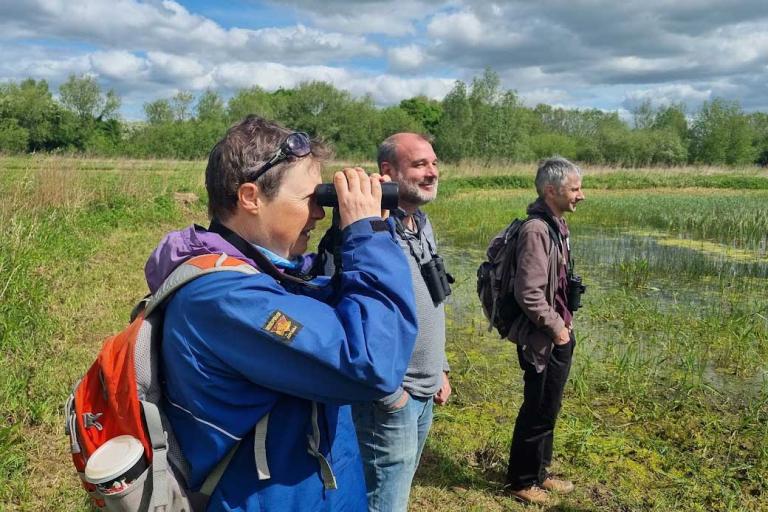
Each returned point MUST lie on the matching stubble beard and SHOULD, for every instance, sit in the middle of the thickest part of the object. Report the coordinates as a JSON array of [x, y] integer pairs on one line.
[[411, 194]]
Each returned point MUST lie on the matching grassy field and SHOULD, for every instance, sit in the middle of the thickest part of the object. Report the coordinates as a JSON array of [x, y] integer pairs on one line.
[[667, 405]]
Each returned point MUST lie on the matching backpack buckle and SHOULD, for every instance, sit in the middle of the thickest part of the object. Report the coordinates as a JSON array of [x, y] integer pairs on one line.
[[92, 420]]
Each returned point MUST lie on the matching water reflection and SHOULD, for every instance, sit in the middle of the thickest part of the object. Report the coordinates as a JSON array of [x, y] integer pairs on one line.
[[658, 282], [608, 248]]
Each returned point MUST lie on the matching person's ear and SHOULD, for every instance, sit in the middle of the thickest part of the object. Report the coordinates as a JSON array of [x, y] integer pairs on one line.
[[249, 197], [387, 169]]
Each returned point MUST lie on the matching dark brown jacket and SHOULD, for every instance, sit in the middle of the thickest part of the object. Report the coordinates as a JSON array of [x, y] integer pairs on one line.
[[538, 261]]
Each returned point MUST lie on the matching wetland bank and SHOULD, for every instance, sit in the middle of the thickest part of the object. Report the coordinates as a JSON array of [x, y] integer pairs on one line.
[[667, 405]]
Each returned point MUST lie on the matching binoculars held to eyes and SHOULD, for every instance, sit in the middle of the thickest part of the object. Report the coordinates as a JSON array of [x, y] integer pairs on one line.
[[325, 195]]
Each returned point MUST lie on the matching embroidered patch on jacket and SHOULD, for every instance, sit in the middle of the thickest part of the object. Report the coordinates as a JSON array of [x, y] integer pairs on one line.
[[283, 326]]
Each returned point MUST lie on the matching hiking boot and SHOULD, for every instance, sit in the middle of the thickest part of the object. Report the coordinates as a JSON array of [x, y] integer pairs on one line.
[[533, 494], [557, 485]]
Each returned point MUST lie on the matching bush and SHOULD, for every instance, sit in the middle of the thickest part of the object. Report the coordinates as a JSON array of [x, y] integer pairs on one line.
[[545, 145], [13, 138]]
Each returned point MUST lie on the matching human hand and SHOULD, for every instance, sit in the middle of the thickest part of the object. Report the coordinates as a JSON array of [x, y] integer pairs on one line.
[[401, 401], [359, 195], [441, 397], [383, 179], [563, 336]]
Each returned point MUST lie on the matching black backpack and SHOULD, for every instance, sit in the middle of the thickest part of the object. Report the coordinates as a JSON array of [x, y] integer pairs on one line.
[[496, 276]]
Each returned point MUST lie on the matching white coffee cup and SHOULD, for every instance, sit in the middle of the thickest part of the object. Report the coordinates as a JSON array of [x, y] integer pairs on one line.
[[115, 464]]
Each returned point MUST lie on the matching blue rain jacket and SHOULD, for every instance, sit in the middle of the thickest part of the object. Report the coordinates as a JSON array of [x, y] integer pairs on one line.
[[238, 346]]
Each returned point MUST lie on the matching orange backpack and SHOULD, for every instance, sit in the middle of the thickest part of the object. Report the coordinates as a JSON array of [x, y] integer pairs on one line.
[[120, 395]]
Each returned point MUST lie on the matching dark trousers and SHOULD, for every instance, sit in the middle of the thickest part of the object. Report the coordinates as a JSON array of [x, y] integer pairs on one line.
[[531, 452]]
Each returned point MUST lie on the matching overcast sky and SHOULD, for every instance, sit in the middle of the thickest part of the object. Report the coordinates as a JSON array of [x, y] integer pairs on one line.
[[607, 54]]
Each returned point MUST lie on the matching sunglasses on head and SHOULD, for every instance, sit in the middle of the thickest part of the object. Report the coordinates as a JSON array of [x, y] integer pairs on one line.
[[296, 144]]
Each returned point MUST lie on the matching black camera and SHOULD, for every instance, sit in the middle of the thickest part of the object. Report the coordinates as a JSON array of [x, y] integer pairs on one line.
[[325, 195], [438, 281], [575, 290]]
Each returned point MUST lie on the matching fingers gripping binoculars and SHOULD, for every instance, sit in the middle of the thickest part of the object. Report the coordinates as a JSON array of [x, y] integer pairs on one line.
[[325, 195]]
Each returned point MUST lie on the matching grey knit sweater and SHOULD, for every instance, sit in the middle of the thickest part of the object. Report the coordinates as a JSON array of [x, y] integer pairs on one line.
[[428, 362]]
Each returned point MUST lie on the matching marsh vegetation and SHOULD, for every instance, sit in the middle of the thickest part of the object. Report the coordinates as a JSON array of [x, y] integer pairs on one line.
[[667, 405]]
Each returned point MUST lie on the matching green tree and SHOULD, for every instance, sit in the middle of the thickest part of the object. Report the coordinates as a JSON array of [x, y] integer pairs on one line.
[[453, 130], [672, 117], [210, 107], [425, 111], [181, 104], [13, 138], [320, 109], [721, 134], [256, 101], [643, 115], [158, 111], [758, 122], [545, 145], [83, 96], [393, 120], [31, 104]]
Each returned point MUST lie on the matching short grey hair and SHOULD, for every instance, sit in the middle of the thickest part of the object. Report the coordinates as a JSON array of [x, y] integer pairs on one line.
[[554, 171], [388, 149]]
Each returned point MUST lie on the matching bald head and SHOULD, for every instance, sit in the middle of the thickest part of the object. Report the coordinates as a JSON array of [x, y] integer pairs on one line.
[[408, 158], [388, 149]]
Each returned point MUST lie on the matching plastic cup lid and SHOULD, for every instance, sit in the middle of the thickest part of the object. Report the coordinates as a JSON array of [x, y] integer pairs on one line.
[[113, 458]]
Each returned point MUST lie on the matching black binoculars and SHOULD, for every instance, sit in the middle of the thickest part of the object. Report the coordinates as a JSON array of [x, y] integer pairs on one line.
[[325, 195], [438, 281], [575, 290]]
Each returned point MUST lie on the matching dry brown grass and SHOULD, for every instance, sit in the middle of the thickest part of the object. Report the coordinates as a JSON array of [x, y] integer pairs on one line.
[[469, 168]]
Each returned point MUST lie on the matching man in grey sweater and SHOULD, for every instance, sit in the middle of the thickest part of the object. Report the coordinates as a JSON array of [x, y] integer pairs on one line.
[[392, 431]]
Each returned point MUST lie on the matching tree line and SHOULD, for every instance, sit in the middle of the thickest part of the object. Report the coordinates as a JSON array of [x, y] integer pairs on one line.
[[478, 121]]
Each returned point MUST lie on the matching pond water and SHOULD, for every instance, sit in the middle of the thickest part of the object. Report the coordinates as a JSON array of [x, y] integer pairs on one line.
[[666, 255], [659, 271]]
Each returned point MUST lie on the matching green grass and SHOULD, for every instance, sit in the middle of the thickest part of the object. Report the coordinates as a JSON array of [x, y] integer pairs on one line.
[[667, 405]]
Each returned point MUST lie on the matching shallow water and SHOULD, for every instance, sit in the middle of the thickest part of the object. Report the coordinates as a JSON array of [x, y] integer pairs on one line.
[[660, 276], [666, 255]]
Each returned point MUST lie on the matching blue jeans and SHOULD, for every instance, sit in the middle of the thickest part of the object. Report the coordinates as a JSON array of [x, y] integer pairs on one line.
[[391, 442]]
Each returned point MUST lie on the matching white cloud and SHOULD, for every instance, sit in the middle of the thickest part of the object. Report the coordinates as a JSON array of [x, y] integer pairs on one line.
[[667, 95], [600, 53], [406, 58], [384, 89], [168, 67], [117, 64], [53, 69], [463, 28], [546, 95], [389, 89], [271, 76], [169, 27], [368, 16]]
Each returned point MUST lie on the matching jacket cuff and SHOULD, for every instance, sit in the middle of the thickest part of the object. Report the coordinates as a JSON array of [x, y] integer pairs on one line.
[[559, 325], [366, 226]]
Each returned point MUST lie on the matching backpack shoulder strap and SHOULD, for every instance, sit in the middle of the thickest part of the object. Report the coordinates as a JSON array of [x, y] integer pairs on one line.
[[554, 233], [191, 270], [183, 274]]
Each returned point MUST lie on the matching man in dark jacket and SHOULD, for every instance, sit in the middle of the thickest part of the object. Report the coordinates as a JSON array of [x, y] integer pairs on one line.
[[544, 334]]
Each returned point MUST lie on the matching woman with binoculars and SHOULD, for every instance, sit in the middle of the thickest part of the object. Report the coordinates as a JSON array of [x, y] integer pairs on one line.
[[239, 348]]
